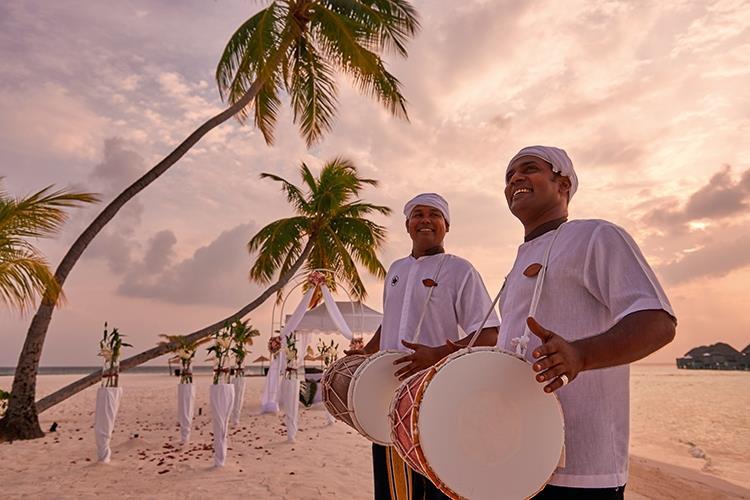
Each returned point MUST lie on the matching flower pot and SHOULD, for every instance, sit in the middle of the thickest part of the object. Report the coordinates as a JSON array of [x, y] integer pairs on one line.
[[107, 404], [222, 399], [239, 396], [185, 409]]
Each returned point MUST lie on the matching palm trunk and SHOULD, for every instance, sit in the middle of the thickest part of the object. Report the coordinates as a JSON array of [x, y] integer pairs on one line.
[[92, 378], [20, 420]]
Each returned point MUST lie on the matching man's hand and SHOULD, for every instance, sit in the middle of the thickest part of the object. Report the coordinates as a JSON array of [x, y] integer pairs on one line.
[[351, 352], [423, 357], [554, 358]]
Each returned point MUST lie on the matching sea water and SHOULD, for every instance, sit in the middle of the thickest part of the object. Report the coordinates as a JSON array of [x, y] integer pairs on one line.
[[693, 418]]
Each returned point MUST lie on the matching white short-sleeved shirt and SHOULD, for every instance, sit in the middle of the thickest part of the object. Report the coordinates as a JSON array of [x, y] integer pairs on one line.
[[595, 277], [459, 300]]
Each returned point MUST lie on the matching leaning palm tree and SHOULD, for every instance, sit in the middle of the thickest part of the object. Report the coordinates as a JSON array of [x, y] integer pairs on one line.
[[292, 46], [330, 217], [24, 272]]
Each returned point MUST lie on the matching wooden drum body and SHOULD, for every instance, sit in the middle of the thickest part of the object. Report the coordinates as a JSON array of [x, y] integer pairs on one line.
[[359, 392], [479, 426]]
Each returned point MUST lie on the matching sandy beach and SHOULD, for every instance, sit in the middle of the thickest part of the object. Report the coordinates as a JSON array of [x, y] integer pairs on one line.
[[325, 461]]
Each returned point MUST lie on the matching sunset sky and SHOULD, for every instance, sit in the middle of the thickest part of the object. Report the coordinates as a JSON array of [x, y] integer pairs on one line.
[[650, 99]]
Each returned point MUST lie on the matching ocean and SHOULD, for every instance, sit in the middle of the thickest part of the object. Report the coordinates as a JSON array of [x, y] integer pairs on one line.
[[694, 418]]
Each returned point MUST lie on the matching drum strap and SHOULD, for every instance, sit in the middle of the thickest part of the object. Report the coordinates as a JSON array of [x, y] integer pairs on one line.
[[443, 258], [521, 344]]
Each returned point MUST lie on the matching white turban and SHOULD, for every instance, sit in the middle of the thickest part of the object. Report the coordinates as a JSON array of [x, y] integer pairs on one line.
[[433, 200], [557, 157]]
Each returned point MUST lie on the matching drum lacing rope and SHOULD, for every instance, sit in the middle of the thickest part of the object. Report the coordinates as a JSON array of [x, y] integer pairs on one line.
[[427, 299], [521, 343]]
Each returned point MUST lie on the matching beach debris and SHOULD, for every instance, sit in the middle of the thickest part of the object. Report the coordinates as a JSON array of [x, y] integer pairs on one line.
[[53, 427]]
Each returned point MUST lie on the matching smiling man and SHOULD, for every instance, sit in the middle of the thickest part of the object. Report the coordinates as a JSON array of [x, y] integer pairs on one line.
[[601, 307], [459, 302]]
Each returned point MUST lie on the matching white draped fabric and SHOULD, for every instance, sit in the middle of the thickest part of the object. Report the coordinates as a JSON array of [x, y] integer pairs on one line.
[[287, 399], [335, 313], [239, 397], [270, 395], [290, 404], [107, 404], [222, 398], [185, 409]]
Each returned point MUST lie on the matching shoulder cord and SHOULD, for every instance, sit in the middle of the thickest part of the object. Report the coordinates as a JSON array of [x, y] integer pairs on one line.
[[443, 258], [521, 344]]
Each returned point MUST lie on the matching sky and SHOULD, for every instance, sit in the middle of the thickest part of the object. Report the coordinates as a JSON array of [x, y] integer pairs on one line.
[[649, 99]]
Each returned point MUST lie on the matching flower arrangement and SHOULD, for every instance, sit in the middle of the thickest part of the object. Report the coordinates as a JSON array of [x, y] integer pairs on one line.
[[242, 334], [274, 345], [222, 343], [356, 344], [185, 351], [316, 278], [329, 352], [291, 355], [109, 349]]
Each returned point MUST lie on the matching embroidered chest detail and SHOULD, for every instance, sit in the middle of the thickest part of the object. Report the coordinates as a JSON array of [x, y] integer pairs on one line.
[[532, 270]]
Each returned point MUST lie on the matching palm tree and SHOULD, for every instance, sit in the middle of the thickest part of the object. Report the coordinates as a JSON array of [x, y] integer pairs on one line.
[[24, 272], [330, 216], [344, 236], [291, 45]]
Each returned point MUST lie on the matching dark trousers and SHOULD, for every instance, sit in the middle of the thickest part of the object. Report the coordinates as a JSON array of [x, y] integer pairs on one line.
[[422, 488], [551, 492]]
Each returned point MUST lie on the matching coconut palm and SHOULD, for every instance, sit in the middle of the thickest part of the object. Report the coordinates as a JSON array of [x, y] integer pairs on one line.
[[24, 272], [329, 216], [327, 208], [295, 46], [242, 333]]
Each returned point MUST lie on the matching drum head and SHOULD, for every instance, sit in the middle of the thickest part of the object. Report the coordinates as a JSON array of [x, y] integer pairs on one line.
[[370, 395], [487, 429]]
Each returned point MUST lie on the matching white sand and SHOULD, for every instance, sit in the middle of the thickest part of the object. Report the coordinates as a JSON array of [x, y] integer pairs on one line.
[[325, 461]]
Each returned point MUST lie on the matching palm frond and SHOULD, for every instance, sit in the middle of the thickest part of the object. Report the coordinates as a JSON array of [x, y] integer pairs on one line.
[[246, 53], [312, 87], [390, 22], [274, 242], [293, 193]]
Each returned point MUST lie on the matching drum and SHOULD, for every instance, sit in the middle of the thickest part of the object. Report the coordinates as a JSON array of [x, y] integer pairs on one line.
[[479, 426], [359, 392]]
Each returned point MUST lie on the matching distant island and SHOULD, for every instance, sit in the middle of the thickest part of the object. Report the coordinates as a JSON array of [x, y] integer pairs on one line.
[[719, 356]]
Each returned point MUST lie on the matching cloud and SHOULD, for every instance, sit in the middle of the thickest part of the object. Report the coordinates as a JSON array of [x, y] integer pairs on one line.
[[216, 274], [723, 254], [721, 198]]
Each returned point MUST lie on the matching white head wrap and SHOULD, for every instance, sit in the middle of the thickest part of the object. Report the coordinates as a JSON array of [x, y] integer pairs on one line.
[[433, 200], [557, 157]]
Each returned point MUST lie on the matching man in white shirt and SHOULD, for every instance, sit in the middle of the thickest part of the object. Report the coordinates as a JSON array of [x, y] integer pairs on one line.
[[459, 302], [601, 307]]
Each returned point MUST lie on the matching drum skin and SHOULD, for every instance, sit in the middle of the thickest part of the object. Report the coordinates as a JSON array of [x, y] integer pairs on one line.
[[479, 426], [370, 394], [358, 390]]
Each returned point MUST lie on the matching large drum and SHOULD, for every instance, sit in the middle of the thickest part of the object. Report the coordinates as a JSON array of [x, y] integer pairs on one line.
[[358, 390], [479, 426]]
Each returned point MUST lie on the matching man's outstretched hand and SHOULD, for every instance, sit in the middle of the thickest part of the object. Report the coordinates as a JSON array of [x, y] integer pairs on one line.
[[422, 357], [554, 358]]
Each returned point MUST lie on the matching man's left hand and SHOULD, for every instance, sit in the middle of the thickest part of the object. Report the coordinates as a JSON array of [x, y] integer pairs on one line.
[[422, 357], [555, 358]]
